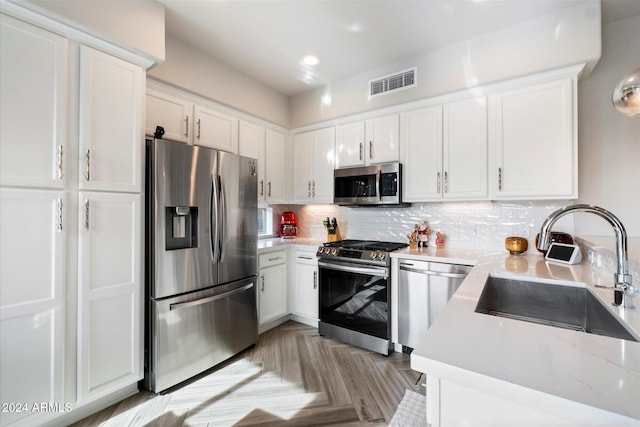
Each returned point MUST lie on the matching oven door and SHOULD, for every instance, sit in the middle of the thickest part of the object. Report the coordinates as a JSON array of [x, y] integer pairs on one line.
[[355, 297]]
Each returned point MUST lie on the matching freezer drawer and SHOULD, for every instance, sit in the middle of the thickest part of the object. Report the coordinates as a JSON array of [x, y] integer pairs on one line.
[[424, 289], [193, 332]]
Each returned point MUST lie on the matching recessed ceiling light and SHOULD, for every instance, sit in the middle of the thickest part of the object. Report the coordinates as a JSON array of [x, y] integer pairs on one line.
[[310, 60]]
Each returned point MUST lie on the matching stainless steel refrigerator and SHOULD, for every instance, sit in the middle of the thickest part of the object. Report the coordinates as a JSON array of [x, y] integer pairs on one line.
[[201, 260]]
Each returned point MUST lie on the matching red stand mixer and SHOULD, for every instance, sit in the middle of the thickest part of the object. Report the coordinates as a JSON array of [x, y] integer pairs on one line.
[[288, 225]]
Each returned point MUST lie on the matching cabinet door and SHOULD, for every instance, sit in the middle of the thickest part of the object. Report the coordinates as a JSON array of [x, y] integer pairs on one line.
[[302, 166], [535, 144], [111, 111], [306, 290], [272, 293], [32, 299], [251, 144], [214, 129], [33, 110], [173, 114], [350, 145], [422, 154], [109, 292], [383, 137], [323, 165], [465, 149], [274, 167]]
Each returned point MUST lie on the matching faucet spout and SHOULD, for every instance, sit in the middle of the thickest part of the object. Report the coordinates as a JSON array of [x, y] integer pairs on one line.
[[622, 278]]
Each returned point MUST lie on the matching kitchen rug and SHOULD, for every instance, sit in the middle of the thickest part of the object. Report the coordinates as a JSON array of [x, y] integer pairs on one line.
[[412, 411]]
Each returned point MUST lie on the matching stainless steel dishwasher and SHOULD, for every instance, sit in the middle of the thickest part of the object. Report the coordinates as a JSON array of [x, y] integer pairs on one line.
[[424, 288]]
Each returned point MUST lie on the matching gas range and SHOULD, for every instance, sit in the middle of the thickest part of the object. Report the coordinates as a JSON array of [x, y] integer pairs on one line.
[[371, 252]]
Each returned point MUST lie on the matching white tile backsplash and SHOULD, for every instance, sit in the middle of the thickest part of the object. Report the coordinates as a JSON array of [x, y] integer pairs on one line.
[[471, 225]]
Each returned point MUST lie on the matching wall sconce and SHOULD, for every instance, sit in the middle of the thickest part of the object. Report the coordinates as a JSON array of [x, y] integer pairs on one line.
[[626, 95]]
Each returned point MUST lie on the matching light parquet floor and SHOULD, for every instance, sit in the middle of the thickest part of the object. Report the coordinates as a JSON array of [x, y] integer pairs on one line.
[[292, 377]]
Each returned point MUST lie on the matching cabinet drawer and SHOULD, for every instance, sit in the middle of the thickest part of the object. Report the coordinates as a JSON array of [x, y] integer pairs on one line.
[[306, 257], [272, 258]]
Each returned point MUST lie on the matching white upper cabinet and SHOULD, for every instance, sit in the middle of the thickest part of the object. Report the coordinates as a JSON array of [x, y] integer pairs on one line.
[[350, 145], [444, 151], [314, 154], [383, 139], [533, 132], [173, 114], [191, 123], [33, 110], [275, 168], [368, 142], [267, 146], [251, 144], [215, 129], [111, 111], [422, 154], [464, 154]]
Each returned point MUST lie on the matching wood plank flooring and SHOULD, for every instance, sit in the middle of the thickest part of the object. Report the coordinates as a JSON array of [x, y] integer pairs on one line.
[[292, 377]]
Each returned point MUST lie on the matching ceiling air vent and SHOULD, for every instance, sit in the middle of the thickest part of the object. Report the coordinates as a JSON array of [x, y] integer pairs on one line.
[[393, 82]]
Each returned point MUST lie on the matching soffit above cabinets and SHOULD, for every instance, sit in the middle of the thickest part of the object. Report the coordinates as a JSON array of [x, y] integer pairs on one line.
[[267, 40]]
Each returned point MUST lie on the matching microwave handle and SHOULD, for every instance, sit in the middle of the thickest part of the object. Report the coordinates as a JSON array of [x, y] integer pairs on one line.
[[378, 179]]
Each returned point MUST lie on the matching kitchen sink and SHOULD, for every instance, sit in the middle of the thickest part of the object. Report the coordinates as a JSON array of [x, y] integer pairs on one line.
[[560, 306]]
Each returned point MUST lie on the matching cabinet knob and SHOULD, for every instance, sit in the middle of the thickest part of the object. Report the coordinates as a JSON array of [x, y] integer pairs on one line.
[[370, 150], [262, 286], [438, 182], [186, 126], [499, 179], [269, 194], [315, 280], [361, 150], [198, 128]]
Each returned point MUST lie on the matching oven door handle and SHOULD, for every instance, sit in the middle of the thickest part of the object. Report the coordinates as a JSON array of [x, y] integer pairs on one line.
[[382, 272]]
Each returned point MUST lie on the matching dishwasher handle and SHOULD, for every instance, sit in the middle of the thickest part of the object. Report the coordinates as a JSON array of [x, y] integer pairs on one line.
[[405, 267]]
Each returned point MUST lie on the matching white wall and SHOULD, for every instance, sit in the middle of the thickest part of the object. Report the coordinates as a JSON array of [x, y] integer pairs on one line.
[[609, 143], [190, 69], [566, 37], [133, 25]]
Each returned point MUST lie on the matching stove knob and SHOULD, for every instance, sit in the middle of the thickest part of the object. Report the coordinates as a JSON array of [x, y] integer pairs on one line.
[[382, 256], [320, 250], [334, 251], [373, 255]]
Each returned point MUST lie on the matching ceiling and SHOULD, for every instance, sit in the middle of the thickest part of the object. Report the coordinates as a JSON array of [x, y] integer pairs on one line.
[[267, 39]]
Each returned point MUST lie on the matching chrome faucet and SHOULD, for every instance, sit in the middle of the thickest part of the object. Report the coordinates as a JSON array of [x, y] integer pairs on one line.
[[623, 289]]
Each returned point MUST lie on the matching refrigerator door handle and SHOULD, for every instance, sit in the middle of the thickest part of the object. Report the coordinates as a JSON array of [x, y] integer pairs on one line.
[[213, 220], [223, 219], [201, 301]]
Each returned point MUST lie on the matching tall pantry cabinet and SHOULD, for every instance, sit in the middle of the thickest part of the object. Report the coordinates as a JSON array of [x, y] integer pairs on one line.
[[71, 152]]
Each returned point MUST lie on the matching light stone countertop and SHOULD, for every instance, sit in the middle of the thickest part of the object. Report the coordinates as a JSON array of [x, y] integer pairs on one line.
[[274, 243], [479, 350]]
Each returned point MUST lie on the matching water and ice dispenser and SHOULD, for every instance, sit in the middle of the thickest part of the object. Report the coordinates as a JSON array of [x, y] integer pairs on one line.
[[181, 227]]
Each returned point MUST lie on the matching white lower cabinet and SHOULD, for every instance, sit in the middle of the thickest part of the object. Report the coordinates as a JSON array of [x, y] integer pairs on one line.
[[109, 292], [32, 306], [272, 286], [305, 287]]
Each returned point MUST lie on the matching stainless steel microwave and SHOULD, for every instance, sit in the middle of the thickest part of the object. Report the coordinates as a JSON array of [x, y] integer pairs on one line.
[[368, 185]]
